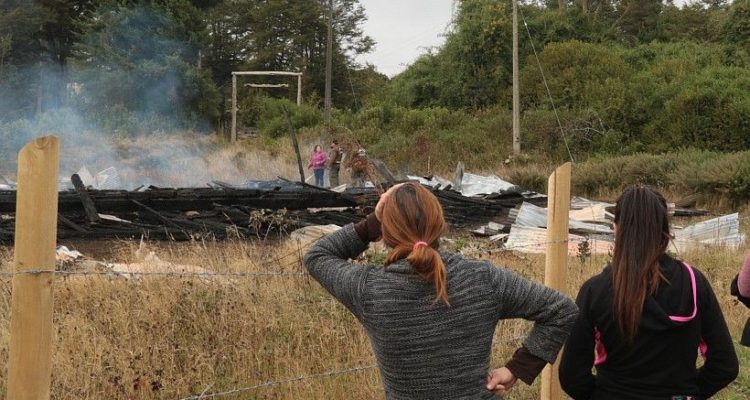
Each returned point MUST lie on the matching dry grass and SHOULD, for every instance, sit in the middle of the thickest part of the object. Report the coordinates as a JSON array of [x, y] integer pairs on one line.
[[166, 338]]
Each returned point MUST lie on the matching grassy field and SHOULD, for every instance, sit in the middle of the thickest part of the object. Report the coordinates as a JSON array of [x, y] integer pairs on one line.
[[172, 337], [168, 338]]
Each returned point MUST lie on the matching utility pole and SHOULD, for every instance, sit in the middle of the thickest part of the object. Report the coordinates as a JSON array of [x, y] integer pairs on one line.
[[329, 66], [516, 95], [40, 90]]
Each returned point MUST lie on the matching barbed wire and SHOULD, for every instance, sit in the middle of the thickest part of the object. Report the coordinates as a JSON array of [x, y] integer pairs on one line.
[[267, 274], [279, 382], [205, 274], [185, 274], [300, 378], [275, 261]]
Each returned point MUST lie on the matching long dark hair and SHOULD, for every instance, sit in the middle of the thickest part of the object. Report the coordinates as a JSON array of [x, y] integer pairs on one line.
[[641, 237], [412, 223]]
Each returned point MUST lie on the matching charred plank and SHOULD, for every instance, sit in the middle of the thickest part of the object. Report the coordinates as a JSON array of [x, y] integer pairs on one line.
[[88, 205]]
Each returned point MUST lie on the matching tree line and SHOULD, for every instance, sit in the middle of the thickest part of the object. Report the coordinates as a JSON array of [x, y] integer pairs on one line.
[[621, 76], [169, 59], [597, 75]]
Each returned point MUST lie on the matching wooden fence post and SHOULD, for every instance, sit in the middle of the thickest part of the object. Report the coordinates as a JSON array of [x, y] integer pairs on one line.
[[299, 90], [233, 131], [30, 361], [555, 269], [293, 135]]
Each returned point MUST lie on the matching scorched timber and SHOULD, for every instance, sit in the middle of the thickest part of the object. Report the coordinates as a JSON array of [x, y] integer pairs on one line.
[[185, 214], [114, 201]]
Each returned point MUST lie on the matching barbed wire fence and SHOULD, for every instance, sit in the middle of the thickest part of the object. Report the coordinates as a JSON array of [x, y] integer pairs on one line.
[[201, 274], [326, 374], [267, 266], [267, 274]]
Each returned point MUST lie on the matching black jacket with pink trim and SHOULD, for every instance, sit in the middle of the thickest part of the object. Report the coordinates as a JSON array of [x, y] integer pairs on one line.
[[661, 363]]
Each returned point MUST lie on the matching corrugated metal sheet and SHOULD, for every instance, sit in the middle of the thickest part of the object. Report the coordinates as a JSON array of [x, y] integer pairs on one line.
[[528, 239], [535, 216], [474, 185], [720, 231]]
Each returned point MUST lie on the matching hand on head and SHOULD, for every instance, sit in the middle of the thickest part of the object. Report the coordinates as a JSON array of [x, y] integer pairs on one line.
[[383, 197]]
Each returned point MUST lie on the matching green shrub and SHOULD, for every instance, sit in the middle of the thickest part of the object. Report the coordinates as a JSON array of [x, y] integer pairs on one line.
[[271, 121], [739, 183], [615, 173], [685, 171], [530, 178]]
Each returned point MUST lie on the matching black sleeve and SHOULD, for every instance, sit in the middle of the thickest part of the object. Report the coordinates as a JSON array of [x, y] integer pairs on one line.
[[721, 366], [525, 366], [577, 360], [735, 290]]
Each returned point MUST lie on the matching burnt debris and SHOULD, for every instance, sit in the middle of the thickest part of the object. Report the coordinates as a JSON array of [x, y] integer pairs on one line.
[[262, 209]]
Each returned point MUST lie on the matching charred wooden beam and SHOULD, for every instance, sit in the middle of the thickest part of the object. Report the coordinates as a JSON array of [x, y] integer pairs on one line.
[[6, 235], [156, 214], [88, 205], [72, 225], [110, 201], [383, 170]]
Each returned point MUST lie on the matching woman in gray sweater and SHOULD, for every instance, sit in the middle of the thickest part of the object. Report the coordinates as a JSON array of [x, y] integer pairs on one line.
[[431, 315]]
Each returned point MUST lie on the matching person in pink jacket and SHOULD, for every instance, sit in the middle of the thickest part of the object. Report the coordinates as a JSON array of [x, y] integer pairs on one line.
[[317, 163], [741, 289]]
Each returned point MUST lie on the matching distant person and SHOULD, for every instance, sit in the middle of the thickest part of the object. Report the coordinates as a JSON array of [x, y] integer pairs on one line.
[[741, 290], [644, 318], [431, 315], [334, 163], [359, 165], [317, 163]]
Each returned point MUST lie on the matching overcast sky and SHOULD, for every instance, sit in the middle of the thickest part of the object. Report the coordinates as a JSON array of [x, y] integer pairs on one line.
[[403, 29]]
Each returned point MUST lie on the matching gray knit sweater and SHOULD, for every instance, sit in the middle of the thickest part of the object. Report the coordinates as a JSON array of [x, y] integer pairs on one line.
[[426, 350]]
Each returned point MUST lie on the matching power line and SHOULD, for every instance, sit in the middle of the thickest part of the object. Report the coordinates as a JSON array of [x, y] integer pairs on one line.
[[544, 79]]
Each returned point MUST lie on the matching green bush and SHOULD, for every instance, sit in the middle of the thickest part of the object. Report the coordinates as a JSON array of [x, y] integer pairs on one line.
[[579, 75], [530, 178], [685, 171], [603, 174], [271, 121], [710, 110], [739, 183]]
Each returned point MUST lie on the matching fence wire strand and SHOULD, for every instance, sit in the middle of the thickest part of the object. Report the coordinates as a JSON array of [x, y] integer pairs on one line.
[[195, 274], [156, 273], [300, 378]]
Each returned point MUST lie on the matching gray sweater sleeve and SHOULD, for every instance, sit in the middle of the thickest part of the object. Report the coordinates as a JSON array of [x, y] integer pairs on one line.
[[552, 312], [328, 262]]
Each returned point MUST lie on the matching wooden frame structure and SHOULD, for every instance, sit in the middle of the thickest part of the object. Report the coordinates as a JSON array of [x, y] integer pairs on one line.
[[233, 136]]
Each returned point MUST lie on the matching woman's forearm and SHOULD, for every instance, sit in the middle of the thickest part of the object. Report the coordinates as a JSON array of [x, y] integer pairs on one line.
[[743, 280]]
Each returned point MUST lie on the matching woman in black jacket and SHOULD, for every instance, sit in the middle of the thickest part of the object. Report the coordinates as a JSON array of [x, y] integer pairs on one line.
[[644, 318]]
